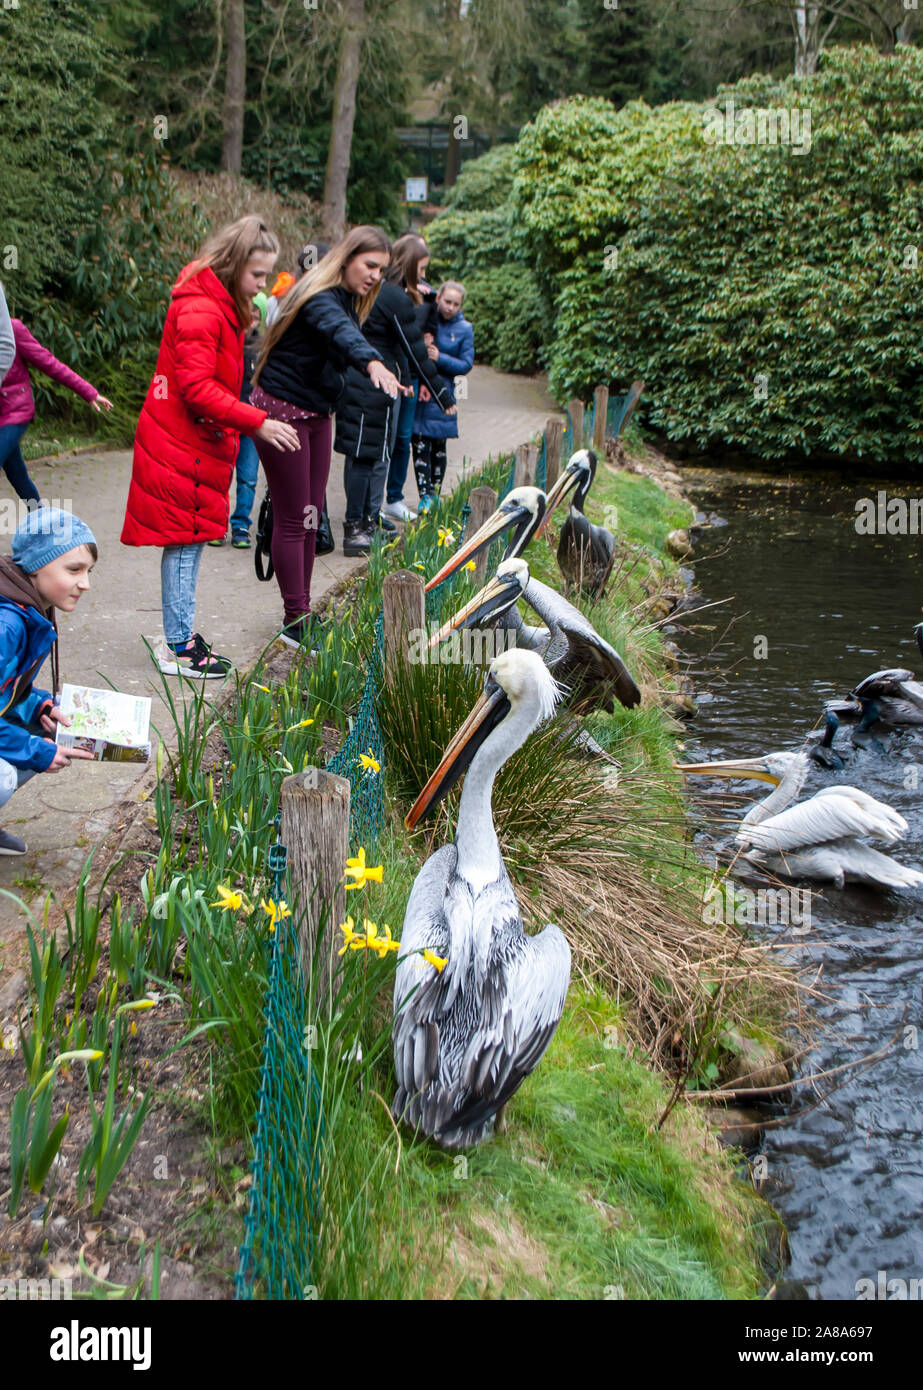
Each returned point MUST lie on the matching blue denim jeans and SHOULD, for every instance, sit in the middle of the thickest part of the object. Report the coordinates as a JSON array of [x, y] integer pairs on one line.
[[12, 778], [12, 463], [248, 472], [400, 452], [179, 570]]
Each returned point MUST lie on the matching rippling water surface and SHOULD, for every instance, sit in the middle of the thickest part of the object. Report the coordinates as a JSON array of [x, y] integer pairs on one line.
[[833, 606]]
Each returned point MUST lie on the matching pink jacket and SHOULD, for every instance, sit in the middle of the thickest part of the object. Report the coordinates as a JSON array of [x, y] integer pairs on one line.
[[16, 404]]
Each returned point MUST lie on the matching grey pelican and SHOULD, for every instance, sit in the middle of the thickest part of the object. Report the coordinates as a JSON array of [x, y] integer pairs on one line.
[[820, 838], [522, 508], [585, 551], [570, 646], [466, 1035]]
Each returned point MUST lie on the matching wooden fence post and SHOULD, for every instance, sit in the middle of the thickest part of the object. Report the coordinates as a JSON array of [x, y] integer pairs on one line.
[[532, 453], [521, 465], [404, 608], [483, 503], [601, 397], [575, 410], [315, 830], [554, 441]]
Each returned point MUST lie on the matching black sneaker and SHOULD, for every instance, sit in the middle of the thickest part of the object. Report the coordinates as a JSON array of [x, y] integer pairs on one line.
[[10, 844], [293, 633], [381, 521], [194, 659], [240, 540]]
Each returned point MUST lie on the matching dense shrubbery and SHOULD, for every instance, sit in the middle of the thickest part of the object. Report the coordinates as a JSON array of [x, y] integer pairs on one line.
[[475, 241], [767, 297]]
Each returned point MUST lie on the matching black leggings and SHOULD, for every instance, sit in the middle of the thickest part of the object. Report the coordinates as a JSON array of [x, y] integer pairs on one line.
[[429, 464]]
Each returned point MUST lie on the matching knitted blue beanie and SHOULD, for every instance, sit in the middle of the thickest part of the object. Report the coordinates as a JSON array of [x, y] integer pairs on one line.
[[46, 534]]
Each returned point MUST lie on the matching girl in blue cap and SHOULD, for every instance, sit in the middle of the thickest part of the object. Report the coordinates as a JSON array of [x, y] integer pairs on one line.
[[53, 553]]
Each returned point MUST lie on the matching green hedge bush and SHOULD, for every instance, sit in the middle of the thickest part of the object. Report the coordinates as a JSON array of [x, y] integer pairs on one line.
[[476, 241], [770, 299]]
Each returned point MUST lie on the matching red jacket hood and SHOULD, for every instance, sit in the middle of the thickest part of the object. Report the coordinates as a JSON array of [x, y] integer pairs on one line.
[[206, 282]]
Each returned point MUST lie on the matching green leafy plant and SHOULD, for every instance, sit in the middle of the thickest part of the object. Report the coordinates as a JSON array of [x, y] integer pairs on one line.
[[112, 1140]]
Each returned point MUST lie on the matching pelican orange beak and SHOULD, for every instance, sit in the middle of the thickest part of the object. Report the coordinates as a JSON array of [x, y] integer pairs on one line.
[[567, 482], [497, 597], [492, 707], [507, 514], [749, 768]]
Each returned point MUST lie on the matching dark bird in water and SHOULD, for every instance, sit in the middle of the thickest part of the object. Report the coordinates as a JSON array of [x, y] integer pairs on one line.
[[476, 999], [585, 552], [892, 697]]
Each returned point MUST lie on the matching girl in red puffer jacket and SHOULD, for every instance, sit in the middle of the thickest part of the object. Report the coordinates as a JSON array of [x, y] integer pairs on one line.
[[190, 425], [17, 406]]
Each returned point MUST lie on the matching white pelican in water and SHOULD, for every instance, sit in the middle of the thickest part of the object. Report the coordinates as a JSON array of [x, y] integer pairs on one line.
[[820, 838], [585, 551], [570, 645], [466, 1036]]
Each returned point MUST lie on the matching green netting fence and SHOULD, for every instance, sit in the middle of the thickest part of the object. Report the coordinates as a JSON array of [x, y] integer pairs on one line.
[[277, 1252]]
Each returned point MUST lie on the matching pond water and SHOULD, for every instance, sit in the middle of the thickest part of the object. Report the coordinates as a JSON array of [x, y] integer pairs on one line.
[[832, 606]]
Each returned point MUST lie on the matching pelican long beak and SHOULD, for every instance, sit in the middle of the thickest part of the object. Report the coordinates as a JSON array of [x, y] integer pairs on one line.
[[731, 767], [567, 482], [497, 596], [495, 525], [492, 707]]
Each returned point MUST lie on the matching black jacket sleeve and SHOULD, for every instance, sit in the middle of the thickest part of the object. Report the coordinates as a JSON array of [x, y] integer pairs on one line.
[[326, 316], [410, 334]]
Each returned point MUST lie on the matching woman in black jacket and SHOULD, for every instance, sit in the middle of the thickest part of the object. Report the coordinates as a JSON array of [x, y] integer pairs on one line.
[[366, 420], [299, 378]]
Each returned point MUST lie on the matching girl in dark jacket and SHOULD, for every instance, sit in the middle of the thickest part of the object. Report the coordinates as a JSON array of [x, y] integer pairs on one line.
[[365, 419], [299, 377]]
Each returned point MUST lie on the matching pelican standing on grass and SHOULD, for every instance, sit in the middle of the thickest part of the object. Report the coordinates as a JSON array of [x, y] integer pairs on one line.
[[820, 838], [585, 552], [522, 508], [476, 1000], [569, 644]]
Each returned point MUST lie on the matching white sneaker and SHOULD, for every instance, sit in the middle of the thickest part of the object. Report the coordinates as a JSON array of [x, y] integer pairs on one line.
[[398, 511]]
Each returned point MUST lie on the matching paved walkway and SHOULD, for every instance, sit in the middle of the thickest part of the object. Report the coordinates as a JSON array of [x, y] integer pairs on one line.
[[62, 816]]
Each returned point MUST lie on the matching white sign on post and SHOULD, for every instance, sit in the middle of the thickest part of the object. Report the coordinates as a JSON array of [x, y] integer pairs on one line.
[[416, 190]]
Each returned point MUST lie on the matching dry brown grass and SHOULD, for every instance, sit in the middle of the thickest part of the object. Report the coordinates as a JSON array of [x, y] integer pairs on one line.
[[222, 198]]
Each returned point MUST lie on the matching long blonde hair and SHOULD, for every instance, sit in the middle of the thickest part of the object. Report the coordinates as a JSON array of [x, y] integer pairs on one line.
[[407, 253], [227, 254], [326, 275]]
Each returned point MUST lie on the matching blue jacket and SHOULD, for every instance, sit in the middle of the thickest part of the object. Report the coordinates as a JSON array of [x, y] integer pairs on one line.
[[455, 341], [26, 638]]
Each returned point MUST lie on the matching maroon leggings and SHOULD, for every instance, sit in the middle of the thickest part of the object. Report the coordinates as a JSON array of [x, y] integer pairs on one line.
[[297, 484]]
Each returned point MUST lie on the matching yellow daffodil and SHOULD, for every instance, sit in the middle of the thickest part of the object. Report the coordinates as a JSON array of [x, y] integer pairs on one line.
[[262, 687], [430, 957], [302, 724], [135, 1006], [356, 869], [348, 930], [471, 565], [228, 901], [334, 675], [418, 565], [368, 939], [134, 1028], [8, 1043], [446, 536], [370, 762], [381, 944], [275, 910]]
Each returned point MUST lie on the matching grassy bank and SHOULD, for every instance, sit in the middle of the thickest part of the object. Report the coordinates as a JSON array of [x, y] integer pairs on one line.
[[597, 1188]]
